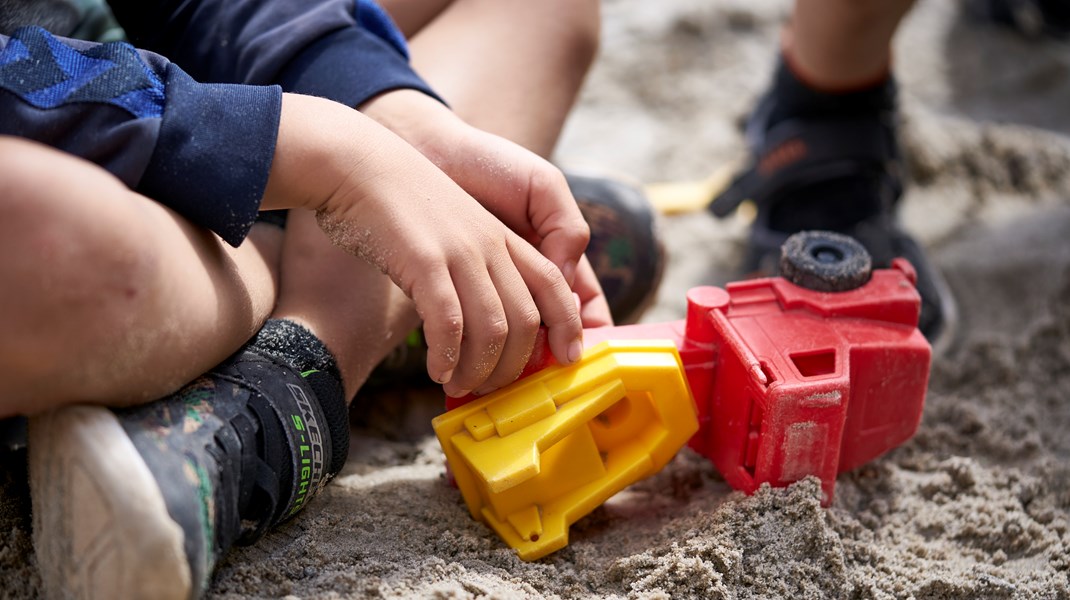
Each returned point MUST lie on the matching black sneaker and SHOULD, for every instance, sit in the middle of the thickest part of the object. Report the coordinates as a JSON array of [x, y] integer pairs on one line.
[[143, 502], [831, 162]]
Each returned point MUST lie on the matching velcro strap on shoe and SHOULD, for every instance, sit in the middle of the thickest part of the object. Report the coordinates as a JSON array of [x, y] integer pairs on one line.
[[296, 437], [799, 153]]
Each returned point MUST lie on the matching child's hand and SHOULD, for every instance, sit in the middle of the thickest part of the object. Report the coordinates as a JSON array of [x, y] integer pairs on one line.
[[479, 287], [519, 187]]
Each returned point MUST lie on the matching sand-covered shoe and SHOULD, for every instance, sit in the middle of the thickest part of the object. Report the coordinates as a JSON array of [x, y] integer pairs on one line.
[[142, 502]]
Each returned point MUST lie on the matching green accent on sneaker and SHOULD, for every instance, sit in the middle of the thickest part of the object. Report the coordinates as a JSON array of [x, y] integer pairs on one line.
[[207, 515], [311, 473], [195, 399], [414, 339], [620, 252]]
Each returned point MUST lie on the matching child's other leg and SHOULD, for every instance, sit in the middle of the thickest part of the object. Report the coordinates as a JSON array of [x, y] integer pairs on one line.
[[353, 308], [843, 44], [234, 452], [109, 297]]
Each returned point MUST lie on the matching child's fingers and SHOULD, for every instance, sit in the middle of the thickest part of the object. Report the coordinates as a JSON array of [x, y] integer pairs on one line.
[[485, 330], [440, 308], [554, 299], [525, 192], [523, 319], [556, 219]]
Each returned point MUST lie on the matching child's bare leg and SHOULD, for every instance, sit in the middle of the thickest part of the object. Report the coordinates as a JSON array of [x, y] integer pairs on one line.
[[353, 308], [512, 68], [842, 44], [109, 297]]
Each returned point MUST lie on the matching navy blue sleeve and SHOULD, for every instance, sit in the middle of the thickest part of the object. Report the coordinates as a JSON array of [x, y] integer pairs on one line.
[[203, 150], [344, 50]]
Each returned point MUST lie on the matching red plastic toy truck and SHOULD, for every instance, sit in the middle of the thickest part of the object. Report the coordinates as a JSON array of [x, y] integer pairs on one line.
[[812, 373]]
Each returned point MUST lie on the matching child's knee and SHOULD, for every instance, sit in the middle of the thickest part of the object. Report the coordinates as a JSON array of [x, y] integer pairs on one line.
[[579, 22], [68, 258], [66, 225]]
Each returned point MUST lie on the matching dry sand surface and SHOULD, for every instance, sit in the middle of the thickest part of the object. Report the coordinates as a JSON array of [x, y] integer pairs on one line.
[[976, 505]]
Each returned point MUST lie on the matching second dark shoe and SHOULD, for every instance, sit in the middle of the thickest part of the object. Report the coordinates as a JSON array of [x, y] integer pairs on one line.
[[832, 162]]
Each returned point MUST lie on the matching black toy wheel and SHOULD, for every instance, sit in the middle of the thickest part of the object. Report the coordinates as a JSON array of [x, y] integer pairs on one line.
[[824, 261]]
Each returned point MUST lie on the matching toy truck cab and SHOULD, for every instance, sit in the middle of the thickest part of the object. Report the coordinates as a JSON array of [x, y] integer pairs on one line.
[[804, 382]]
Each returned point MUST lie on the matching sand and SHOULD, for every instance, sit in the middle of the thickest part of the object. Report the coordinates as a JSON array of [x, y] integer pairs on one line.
[[976, 505]]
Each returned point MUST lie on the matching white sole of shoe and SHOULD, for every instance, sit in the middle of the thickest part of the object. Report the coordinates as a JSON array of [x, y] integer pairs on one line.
[[100, 525]]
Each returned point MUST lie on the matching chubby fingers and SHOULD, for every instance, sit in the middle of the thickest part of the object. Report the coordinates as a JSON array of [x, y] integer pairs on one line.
[[526, 192], [439, 306], [499, 339], [554, 299], [481, 318], [556, 219]]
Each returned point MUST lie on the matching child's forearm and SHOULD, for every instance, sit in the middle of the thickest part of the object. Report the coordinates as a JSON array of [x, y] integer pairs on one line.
[[480, 289]]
